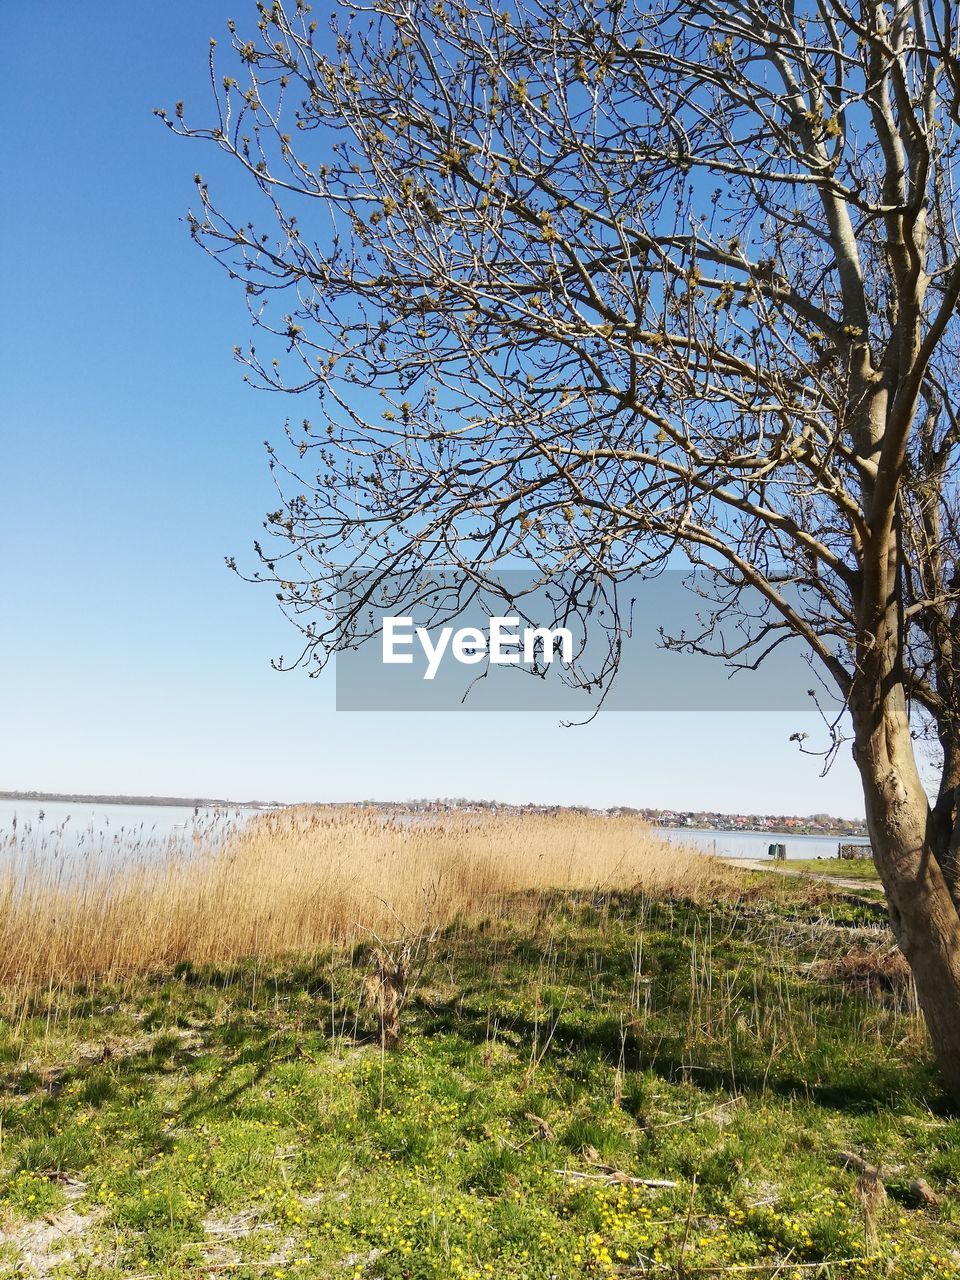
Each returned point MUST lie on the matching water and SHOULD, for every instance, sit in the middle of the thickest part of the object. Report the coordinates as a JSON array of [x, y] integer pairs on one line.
[[754, 844], [79, 834]]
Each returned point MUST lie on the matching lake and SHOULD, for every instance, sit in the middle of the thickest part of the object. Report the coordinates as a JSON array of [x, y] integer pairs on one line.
[[79, 833], [45, 829], [754, 844]]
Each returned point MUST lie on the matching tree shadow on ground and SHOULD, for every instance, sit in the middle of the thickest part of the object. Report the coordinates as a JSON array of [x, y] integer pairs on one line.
[[860, 1092]]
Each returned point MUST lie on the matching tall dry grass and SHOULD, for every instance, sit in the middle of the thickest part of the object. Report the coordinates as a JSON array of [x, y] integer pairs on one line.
[[292, 881]]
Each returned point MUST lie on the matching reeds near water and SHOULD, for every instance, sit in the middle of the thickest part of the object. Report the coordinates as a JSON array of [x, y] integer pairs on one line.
[[293, 881]]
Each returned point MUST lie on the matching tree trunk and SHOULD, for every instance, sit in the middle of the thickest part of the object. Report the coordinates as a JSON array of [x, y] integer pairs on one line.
[[904, 835]]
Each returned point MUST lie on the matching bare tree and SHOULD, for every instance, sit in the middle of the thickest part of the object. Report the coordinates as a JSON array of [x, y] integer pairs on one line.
[[604, 283]]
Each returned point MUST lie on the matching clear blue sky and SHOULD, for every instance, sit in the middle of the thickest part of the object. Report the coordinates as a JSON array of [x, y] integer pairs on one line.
[[131, 459]]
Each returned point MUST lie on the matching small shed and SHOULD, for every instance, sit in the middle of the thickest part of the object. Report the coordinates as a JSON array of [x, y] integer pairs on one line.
[[847, 852]]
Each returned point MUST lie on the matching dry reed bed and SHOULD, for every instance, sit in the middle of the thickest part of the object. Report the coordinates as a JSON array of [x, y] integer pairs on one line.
[[291, 882]]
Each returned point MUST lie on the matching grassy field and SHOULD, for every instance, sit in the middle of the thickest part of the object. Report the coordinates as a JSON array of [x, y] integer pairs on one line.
[[591, 1081], [846, 868]]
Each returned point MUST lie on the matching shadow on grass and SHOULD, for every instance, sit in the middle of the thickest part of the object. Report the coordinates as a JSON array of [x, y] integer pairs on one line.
[[256, 1040], [862, 1092]]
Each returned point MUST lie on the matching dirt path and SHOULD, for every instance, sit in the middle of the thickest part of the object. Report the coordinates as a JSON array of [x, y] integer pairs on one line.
[[841, 882]]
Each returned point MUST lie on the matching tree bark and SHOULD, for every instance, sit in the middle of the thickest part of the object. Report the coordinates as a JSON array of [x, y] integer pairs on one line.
[[903, 832]]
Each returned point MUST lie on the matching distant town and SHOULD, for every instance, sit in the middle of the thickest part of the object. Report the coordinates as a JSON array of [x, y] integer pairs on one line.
[[817, 824]]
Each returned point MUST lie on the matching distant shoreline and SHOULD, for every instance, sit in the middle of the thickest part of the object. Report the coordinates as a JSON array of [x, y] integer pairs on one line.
[[171, 802], [818, 826]]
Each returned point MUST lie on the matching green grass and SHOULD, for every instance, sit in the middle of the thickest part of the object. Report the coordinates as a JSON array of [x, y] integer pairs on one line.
[[247, 1124], [846, 868]]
